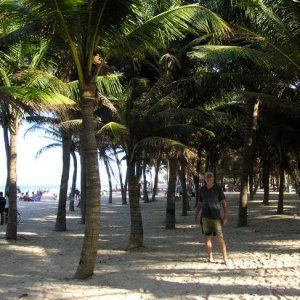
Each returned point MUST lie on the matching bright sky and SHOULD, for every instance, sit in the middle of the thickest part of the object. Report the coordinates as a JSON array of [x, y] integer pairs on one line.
[[44, 171]]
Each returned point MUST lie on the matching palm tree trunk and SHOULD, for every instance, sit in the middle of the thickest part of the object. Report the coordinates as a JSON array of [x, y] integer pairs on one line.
[[123, 190], [106, 163], [136, 229], [92, 215], [145, 192], [61, 224], [257, 184], [11, 229], [74, 179], [196, 179], [265, 180], [281, 191], [154, 191], [170, 212], [138, 174], [83, 186], [251, 126], [251, 182], [182, 176], [7, 151]]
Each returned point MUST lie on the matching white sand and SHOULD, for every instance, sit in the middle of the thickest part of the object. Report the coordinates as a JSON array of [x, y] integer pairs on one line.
[[264, 257]]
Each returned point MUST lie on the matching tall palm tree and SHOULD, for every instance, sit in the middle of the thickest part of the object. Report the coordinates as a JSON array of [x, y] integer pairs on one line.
[[62, 137]]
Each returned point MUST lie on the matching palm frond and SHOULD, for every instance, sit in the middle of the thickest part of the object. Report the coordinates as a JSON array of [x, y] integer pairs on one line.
[[43, 80], [159, 144], [178, 114], [156, 91], [14, 16], [281, 107], [108, 104], [289, 53], [74, 89], [164, 103], [228, 100], [215, 54], [72, 125], [265, 17], [53, 133], [38, 99], [109, 84], [119, 131], [4, 77], [46, 148], [183, 130], [170, 25], [38, 56]]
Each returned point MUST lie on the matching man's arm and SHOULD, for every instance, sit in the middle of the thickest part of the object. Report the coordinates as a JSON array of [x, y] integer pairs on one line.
[[197, 210], [225, 216]]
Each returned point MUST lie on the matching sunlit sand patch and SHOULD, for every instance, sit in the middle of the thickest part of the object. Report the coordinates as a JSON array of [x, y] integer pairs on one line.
[[28, 250]]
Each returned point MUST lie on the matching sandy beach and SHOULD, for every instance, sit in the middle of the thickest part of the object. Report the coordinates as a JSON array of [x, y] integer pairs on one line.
[[264, 257]]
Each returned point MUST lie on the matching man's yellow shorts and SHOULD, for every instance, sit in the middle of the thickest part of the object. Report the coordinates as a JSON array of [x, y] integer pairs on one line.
[[210, 226]]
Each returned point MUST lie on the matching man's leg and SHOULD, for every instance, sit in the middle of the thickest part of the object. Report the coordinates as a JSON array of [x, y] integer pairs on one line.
[[208, 246], [222, 246]]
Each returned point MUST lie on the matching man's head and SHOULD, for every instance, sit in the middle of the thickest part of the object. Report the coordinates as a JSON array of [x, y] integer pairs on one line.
[[209, 178], [209, 174]]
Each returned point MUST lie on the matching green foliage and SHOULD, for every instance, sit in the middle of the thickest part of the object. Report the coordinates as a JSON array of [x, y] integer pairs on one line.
[[110, 85], [215, 54], [168, 26], [37, 96]]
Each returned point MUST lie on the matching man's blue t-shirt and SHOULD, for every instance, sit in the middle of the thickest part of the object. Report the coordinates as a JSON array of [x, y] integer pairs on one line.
[[210, 200]]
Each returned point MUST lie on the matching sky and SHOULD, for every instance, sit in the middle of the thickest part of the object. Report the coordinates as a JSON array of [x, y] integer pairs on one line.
[[44, 171]]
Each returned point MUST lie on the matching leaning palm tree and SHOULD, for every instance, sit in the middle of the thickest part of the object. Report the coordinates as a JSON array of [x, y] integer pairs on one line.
[[17, 101], [105, 154]]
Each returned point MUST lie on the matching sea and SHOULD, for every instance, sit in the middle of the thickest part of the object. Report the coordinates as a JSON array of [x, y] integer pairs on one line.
[[34, 188], [53, 189]]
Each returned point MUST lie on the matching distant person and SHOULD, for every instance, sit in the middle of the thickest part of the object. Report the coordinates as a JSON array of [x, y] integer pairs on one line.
[[33, 197], [211, 200], [26, 197], [77, 196], [2, 207]]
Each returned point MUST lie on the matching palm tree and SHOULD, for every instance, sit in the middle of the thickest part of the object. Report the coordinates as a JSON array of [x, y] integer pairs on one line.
[[105, 153], [16, 100], [170, 210], [62, 137]]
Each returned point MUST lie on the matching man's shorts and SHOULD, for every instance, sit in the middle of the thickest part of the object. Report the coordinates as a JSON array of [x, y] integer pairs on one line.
[[210, 226]]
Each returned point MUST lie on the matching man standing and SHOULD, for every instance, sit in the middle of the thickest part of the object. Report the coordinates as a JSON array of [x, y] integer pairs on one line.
[[2, 207], [211, 200]]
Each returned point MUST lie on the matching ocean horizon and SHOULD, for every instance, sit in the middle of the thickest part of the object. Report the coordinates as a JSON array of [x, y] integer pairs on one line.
[[44, 187], [35, 188]]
